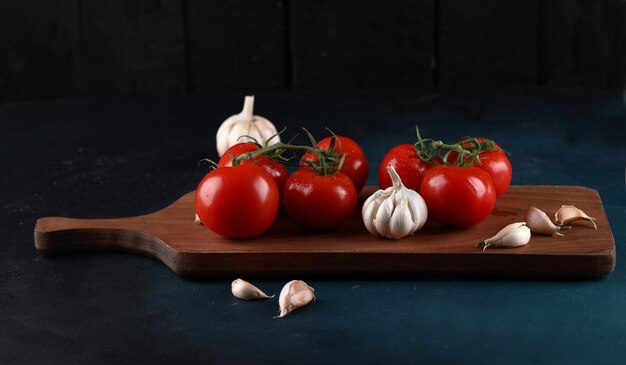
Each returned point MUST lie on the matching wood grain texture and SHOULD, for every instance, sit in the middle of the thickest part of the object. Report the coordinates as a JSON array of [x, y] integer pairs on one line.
[[40, 49], [236, 44], [487, 43], [133, 47], [190, 250], [582, 43], [362, 43]]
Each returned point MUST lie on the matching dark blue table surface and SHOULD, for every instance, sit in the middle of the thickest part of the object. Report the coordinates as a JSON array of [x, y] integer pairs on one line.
[[111, 157]]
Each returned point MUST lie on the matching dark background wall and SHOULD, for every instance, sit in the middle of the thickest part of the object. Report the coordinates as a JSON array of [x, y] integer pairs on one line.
[[67, 48]]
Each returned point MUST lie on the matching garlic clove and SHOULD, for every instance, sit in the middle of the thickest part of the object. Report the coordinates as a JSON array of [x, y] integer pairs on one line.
[[238, 130], [538, 222], [295, 294], [266, 130], [383, 218], [197, 220], [569, 213], [369, 209], [401, 224], [513, 235], [244, 290], [418, 209]]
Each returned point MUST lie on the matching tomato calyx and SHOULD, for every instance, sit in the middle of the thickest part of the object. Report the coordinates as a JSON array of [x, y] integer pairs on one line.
[[328, 162], [464, 153]]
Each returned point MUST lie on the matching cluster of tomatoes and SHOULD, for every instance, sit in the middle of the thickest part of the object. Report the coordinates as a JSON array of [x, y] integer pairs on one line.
[[242, 201], [241, 197], [458, 191]]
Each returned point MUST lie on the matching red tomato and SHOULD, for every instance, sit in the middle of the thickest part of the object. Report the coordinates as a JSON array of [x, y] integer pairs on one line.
[[355, 165], [497, 165], [407, 164], [458, 196], [320, 202], [275, 169], [237, 202]]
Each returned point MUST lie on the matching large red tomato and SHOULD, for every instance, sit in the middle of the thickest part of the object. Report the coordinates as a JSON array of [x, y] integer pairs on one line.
[[275, 169], [355, 165], [407, 164], [458, 196], [237, 202], [320, 202]]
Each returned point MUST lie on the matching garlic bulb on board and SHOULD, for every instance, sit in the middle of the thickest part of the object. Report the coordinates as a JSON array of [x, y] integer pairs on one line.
[[395, 212], [245, 124], [569, 213], [244, 290], [538, 222], [513, 235], [295, 294]]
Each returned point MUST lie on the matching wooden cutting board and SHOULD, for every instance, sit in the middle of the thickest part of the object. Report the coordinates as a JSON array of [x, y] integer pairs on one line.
[[287, 250]]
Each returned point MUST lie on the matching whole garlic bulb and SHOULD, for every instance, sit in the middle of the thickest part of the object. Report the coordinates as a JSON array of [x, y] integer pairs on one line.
[[245, 124], [395, 212]]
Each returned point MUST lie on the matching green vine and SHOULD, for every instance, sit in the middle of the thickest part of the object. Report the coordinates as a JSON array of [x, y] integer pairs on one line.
[[467, 150], [327, 162]]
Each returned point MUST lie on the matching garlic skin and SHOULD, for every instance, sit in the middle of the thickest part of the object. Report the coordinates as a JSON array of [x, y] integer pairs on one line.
[[245, 123], [395, 212], [569, 213], [295, 294], [513, 235], [538, 222], [244, 290]]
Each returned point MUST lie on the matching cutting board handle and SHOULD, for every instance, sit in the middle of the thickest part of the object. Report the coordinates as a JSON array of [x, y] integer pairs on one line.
[[58, 235]]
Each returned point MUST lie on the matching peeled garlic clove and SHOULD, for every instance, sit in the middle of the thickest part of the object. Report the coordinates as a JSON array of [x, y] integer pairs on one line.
[[513, 235], [295, 294], [245, 124], [244, 290], [395, 212], [569, 213], [538, 222]]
